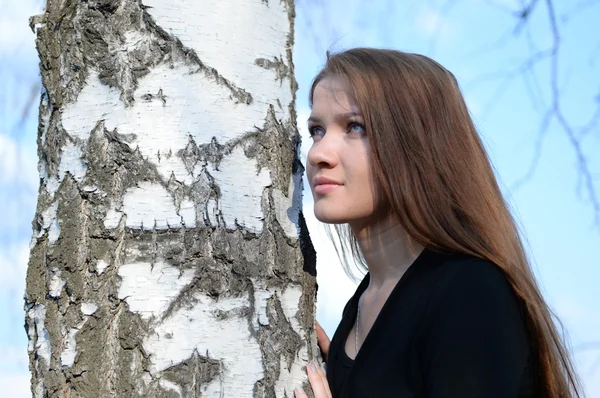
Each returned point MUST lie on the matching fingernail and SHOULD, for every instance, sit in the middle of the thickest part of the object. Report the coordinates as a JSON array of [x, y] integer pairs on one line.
[[312, 366], [299, 390]]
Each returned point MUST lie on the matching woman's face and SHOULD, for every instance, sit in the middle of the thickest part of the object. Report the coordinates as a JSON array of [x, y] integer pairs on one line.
[[338, 166]]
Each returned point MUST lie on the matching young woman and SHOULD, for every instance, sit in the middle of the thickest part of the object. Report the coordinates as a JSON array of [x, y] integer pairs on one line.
[[449, 306]]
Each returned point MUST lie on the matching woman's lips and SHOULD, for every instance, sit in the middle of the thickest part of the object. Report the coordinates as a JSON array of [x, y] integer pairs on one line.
[[325, 188]]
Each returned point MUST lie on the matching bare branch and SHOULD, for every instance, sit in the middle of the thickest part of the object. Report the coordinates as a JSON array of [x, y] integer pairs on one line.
[[34, 93], [536, 155], [502, 41], [532, 85], [591, 125], [490, 47], [534, 90], [584, 170], [529, 63], [524, 16], [496, 97], [580, 6], [325, 34], [526, 70], [500, 6]]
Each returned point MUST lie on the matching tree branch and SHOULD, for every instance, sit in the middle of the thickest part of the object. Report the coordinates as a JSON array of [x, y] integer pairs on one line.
[[537, 154], [582, 163], [551, 109]]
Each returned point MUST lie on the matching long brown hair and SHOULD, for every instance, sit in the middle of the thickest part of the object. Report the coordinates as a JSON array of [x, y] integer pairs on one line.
[[437, 177]]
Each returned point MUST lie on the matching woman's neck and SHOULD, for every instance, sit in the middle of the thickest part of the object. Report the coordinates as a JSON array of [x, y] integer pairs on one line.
[[388, 252]]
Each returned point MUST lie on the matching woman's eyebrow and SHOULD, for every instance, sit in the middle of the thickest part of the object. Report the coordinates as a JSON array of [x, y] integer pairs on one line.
[[338, 118]]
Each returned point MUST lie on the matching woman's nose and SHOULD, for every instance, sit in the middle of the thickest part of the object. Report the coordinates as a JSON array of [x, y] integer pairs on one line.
[[324, 152]]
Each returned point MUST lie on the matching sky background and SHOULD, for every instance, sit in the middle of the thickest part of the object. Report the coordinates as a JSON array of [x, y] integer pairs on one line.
[[482, 44]]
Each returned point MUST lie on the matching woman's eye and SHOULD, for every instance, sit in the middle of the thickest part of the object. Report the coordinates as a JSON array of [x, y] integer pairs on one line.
[[315, 131], [356, 128]]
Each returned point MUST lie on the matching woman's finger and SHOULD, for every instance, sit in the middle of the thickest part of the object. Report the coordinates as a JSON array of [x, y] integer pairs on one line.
[[322, 340], [321, 372], [299, 393], [318, 384]]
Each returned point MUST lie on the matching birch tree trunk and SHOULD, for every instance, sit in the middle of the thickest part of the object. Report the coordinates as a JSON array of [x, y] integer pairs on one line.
[[169, 256]]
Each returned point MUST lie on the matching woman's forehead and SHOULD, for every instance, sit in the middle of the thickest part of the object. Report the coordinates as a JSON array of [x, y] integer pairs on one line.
[[333, 94], [332, 84]]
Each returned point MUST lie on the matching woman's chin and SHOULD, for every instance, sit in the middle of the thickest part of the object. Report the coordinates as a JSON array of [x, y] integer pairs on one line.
[[329, 217]]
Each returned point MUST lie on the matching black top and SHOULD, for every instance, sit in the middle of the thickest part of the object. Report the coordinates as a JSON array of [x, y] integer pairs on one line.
[[451, 327]]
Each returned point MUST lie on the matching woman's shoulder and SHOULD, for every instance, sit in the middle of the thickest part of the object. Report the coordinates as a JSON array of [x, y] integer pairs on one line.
[[464, 281], [465, 270]]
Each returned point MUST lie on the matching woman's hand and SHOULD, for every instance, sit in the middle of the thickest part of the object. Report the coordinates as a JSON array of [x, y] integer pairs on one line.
[[318, 382], [322, 340], [316, 375]]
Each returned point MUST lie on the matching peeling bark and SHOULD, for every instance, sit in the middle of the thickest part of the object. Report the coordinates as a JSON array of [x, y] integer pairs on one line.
[[169, 256]]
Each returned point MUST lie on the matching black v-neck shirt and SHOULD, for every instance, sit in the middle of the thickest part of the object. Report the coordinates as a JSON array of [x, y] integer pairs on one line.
[[451, 327]]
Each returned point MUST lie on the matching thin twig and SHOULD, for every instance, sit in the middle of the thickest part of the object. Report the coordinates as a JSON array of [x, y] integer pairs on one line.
[[591, 125], [578, 8], [529, 63], [582, 163], [502, 7], [34, 94], [536, 155], [524, 15]]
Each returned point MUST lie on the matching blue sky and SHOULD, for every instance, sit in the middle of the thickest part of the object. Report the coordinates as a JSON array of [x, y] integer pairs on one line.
[[553, 208]]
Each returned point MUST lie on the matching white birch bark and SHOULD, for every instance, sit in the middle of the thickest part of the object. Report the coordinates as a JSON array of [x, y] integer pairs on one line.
[[169, 256]]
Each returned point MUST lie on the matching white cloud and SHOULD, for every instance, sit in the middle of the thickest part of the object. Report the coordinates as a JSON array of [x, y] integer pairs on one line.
[[17, 162], [581, 320], [507, 4], [19, 181], [15, 385], [588, 368], [18, 187], [428, 21], [15, 357], [592, 385], [474, 105], [8, 158], [577, 315], [13, 266], [14, 25], [433, 25]]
